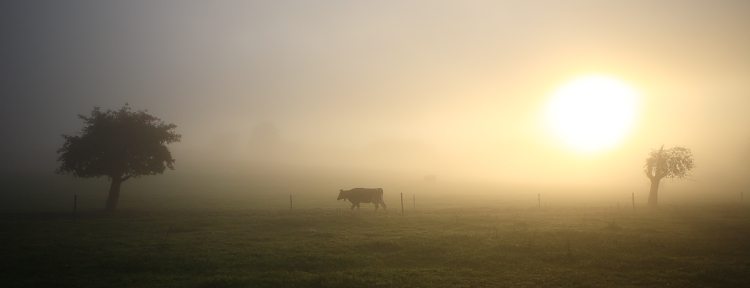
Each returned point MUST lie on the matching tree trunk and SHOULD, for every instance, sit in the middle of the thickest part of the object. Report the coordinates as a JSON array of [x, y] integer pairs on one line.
[[654, 191], [114, 194]]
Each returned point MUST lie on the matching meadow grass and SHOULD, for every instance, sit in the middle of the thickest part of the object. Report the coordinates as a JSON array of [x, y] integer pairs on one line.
[[451, 246], [238, 231]]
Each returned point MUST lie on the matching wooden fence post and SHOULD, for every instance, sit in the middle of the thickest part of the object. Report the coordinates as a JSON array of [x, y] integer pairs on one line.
[[402, 204]]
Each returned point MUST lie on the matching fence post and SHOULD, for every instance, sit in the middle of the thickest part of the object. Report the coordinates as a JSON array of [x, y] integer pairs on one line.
[[290, 202], [402, 204], [414, 201]]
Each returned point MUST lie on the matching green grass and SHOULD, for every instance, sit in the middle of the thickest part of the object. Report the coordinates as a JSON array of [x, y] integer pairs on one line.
[[237, 231], [451, 246]]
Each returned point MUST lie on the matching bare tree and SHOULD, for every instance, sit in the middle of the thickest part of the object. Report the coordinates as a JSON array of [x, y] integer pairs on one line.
[[675, 162]]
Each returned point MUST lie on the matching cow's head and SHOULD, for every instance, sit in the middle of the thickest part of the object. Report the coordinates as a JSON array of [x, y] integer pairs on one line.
[[342, 195]]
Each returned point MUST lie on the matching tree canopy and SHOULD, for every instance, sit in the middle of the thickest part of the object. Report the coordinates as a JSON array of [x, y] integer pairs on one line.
[[672, 163], [118, 144]]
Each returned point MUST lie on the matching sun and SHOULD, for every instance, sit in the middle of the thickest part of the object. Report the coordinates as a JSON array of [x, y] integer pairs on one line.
[[592, 113]]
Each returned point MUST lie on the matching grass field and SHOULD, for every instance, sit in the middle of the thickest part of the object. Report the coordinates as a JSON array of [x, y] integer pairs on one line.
[[448, 241]]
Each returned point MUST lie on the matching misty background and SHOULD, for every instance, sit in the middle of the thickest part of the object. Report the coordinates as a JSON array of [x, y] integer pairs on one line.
[[360, 93]]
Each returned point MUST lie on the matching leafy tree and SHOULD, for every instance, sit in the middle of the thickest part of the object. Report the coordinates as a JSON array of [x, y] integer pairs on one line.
[[118, 144], [675, 162]]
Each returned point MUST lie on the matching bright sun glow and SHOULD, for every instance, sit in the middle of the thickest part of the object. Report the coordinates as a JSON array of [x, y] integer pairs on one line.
[[592, 113]]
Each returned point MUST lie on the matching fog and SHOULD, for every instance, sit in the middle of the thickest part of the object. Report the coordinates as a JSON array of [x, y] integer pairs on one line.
[[386, 91]]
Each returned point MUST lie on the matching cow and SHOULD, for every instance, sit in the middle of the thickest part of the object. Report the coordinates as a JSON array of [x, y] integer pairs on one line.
[[363, 195]]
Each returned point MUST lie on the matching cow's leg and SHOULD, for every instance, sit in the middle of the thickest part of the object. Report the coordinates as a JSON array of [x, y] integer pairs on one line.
[[357, 207], [353, 206], [383, 203]]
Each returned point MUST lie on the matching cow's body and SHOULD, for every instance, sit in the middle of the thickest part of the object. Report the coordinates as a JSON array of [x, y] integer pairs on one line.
[[363, 195]]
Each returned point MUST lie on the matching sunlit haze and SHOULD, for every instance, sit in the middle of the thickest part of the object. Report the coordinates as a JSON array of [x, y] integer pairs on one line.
[[563, 96]]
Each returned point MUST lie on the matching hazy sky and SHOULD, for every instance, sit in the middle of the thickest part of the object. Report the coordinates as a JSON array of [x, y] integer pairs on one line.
[[452, 88]]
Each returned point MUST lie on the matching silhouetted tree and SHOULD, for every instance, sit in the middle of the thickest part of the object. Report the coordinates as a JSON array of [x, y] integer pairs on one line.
[[118, 144], [675, 162]]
